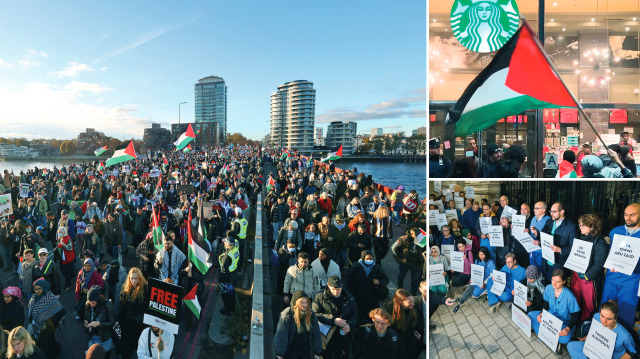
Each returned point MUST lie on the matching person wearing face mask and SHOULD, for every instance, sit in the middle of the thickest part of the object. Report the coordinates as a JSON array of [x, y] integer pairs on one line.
[[336, 308], [30, 240], [368, 284], [300, 277], [358, 241], [377, 340], [287, 257]]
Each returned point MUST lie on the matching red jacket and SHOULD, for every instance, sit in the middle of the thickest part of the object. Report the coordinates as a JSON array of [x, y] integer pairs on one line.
[[96, 279], [325, 205], [68, 255]]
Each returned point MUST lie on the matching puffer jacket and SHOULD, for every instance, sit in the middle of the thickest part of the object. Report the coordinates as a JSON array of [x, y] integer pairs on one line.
[[324, 305], [299, 279], [286, 331]]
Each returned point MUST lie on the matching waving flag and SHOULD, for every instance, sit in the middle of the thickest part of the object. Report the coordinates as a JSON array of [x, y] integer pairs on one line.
[[421, 239], [187, 149], [230, 146], [519, 78], [158, 234], [191, 301], [334, 154], [197, 253], [271, 184], [101, 150], [185, 138], [123, 153]]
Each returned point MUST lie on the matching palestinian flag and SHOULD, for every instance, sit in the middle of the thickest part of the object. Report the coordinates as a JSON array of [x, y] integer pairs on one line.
[[187, 149], [185, 138], [191, 301], [421, 239], [334, 154], [271, 184], [519, 78], [158, 234], [124, 152], [196, 253], [101, 150], [164, 161], [101, 167], [230, 146]]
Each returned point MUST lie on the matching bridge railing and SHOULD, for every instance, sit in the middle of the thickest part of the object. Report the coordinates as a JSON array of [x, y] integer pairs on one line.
[[256, 344]]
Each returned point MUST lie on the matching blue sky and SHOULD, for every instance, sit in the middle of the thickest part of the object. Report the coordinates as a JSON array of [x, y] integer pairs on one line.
[[119, 66]]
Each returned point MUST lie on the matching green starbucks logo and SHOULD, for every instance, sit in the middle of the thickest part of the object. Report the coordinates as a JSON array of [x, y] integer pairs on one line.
[[484, 25]]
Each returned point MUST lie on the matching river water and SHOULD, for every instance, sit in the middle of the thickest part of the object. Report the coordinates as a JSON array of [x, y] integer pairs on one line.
[[410, 175]]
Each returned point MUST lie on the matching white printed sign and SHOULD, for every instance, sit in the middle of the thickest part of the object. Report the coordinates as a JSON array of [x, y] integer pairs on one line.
[[495, 236], [451, 214], [601, 341], [447, 195], [578, 260], [546, 241], [519, 294], [432, 216], [526, 241], [446, 250], [485, 223], [518, 221], [440, 205], [550, 328], [623, 255], [459, 202], [457, 261], [477, 275], [6, 209], [508, 212], [437, 186], [441, 220], [469, 192], [522, 320], [436, 274], [24, 190], [154, 173], [499, 282]]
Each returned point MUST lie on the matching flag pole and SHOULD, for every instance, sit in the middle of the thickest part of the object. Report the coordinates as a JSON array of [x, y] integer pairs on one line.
[[580, 108]]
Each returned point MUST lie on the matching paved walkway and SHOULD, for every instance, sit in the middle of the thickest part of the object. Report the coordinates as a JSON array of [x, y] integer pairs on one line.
[[475, 332]]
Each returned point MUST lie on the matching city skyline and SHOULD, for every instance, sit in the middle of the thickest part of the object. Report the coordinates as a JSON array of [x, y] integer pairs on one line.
[[68, 66]]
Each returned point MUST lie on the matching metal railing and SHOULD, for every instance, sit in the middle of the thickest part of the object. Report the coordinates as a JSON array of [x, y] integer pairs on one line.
[[256, 344]]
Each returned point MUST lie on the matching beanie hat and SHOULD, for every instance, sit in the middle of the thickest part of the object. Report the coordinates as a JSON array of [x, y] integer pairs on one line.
[[532, 272], [591, 164], [465, 232], [94, 293]]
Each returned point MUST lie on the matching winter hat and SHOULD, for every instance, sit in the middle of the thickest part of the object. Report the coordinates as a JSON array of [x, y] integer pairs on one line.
[[297, 295], [13, 291], [94, 293], [532, 272], [465, 232], [591, 164]]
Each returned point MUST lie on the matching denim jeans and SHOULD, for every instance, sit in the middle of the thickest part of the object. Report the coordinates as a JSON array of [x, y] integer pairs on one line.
[[95, 339]]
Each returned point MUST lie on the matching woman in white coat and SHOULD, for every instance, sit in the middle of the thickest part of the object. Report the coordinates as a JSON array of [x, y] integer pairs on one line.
[[324, 267]]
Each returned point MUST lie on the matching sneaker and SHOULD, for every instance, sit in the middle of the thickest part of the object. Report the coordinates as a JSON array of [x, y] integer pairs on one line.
[[493, 308], [560, 350], [498, 305]]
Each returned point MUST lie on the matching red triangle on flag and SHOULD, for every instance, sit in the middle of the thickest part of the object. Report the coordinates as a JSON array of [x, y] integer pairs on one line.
[[189, 132], [192, 293], [130, 150], [339, 152]]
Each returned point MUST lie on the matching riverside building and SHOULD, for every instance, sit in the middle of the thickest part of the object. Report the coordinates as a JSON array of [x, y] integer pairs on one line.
[[293, 109]]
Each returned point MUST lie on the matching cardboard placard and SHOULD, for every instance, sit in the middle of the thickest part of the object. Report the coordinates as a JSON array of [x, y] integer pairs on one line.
[[165, 305]]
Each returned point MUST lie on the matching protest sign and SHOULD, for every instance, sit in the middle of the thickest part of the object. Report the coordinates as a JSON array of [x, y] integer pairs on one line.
[[550, 328], [441, 220], [440, 205], [451, 214], [436, 274], [126, 169], [508, 212], [477, 275], [24, 190], [432, 216], [437, 186], [485, 223], [457, 261], [446, 250], [447, 194], [469, 192], [526, 241], [578, 259], [600, 342], [6, 209], [520, 294], [452, 187], [546, 241], [499, 282], [518, 221], [623, 255], [154, 173], [165, 305], [186, 189], [495, 236], [522, 320], [207, 209], [459, 202]]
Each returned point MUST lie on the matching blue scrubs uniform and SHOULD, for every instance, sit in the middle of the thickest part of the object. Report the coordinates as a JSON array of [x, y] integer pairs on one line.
[[492, 250], [623, 288], [624, 343], [517, 274], [488, 269], [535, 257], [560, 307]]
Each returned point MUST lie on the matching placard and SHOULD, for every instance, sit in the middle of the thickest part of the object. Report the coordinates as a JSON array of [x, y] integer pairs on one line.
[[526, 241], [518, 221], [550, 328], [469, 192], [446, 250], [623, 255], [485, 223], [6, 209], [546, 241], [436, 274], [522, 320], [437, 186], [457, 261], [601, 341], [495, 236], [499, 282], [578, 260], [24, 190], [477, 275], [154, 173], [441, 220], [451, 214], [440, 205], [447, 195], [165, 305], [126, 169], [508, 212], [432, 216], [459, 202], [519, 294]]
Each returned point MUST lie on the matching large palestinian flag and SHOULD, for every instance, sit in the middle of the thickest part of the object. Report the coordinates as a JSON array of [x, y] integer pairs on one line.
[[197, 251], [124, 152], [191, 301], [158, 234], [185, 138], [334, 154], [519, 78], [101, 150]]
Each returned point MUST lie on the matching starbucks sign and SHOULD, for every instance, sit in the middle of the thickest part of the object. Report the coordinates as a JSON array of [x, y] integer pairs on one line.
[[484, 25]]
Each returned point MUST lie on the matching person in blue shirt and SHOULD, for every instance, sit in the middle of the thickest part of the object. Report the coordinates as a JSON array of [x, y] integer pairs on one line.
[[563, 231], [608, 317], [618, 286], [446, 237], [484, 239], [470, 218], [514, 272], [537, 223], [484, 259], [559, 301], [452, 205]]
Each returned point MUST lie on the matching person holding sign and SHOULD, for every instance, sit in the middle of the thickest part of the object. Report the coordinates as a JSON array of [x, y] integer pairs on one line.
[[446, 237], [437, 258], [508, 243], [608, 317], [514, 272], [559, 301], [484, 238], [618, 286], [537, 224], [586, 285], [452, 206], [459, 279], [536, 284], [563, 231], [484, 259]]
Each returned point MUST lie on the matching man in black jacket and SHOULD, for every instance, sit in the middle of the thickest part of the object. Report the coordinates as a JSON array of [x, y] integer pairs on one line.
[[336, 308], [279, 214], [563, 232]]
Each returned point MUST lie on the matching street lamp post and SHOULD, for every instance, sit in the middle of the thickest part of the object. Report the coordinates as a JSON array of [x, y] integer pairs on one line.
[[180, 104]]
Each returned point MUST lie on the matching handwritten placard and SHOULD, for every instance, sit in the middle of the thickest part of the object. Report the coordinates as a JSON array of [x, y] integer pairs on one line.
[[578, 260], [623, 255]]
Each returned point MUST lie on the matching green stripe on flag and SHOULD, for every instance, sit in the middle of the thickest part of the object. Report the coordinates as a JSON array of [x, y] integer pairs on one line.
[[193, 307]]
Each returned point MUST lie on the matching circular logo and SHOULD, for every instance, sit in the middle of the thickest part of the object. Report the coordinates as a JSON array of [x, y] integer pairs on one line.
[[484, 25]]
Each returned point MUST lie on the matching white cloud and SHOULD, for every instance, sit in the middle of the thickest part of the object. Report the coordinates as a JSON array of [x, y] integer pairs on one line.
[[5, 64], [103, 68], [30, 59], [86, 87], [37, 53], [73, 69]]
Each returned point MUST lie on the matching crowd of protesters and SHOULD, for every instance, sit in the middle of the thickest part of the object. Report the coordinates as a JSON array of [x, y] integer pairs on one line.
[[577, 299]]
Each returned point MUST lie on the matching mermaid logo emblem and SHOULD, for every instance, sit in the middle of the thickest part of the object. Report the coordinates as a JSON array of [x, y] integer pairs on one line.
[[484, 25]]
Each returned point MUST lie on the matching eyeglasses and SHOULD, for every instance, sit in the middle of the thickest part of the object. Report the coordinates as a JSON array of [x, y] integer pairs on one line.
[[42, 254]]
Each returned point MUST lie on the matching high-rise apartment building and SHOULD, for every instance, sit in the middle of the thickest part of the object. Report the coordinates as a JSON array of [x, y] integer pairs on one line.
[[211, 111], [341, 133], [376, 131], [293, 110]]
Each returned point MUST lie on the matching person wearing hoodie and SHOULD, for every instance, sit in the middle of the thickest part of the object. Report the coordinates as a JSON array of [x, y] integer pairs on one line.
[[566, 167], [300, 277], [591, 167], [367, 282], [298, 333], [324, 267], [341, 232], [86, 279]]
